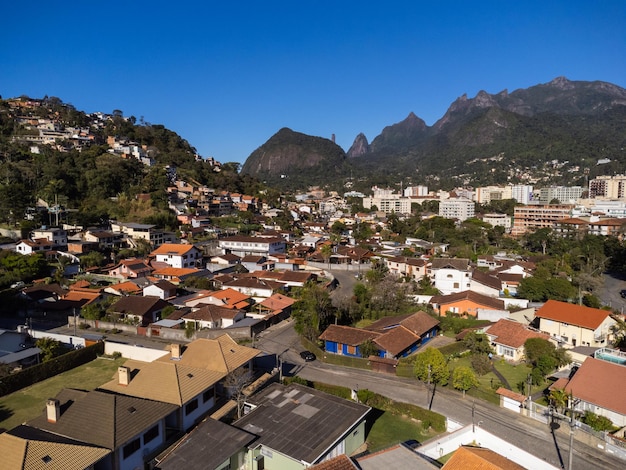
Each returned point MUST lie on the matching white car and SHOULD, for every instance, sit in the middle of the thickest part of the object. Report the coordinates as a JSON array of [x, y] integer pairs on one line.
[[17, 285]]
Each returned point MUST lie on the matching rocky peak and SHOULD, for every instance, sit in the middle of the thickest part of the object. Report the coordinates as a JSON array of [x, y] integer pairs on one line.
[[562, 83], [359, 147]]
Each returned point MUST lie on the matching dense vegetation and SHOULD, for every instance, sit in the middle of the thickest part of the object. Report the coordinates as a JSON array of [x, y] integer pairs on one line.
[[95, 184]]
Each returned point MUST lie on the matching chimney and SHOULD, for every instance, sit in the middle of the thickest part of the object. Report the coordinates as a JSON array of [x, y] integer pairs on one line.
[[123, 374], [175, 351], [53, 410]]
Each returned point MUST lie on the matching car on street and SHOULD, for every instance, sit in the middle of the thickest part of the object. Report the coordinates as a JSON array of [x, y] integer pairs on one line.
[[18, 285], [623, 293], [308, 356]]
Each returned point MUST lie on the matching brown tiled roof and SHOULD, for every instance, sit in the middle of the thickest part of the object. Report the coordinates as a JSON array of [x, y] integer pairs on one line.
[[277, 302], [505, 392], [397, 340], [211, 312], [20, 453], [138, 305], [222, 354], [341, 462], [486, 279], [478, 458], [385, 323], [578, 315], [479, 299], [513, 334], [347, 335], [297, 276], [462, 264], [167, 382], [507, 277], [601, 383], [119, 418], [420, 323]]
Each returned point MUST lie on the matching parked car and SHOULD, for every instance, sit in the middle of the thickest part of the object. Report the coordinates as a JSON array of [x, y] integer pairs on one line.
[[308, 356], [18, 285], [623, 293]]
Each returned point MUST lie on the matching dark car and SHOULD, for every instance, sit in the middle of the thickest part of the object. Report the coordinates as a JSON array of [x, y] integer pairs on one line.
[[308, 356], [623, 293]]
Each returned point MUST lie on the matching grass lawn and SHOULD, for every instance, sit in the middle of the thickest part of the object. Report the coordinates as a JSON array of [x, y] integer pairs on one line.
[[29, 402], [389, 429]]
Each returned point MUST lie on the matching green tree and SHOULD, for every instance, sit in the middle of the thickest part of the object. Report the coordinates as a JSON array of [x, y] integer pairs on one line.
[[558, 398], [463, 378], [477, 343], [50, 348], [598, 423], [481, 364], [431, 367], [368, 348], [312, 311]]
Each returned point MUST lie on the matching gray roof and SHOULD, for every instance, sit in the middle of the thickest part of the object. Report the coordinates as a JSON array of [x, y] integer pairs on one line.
[[301, 422], [207, 447]]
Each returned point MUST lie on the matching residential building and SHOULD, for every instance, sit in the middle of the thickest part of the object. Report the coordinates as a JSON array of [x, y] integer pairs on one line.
[[212, 445], [563, 194], [496, 220], [467, 302], [413, 268], [450, 275], [537, 216], [130, 269], [508, 338], [136, 231], [522, 193], [143, 310], [131, 429], [56, 236], [281, 415], [457, 208], [213, 316], [608, 187], [178, 255], [346, 340], [242, 245], [575, 325], [597, 384]]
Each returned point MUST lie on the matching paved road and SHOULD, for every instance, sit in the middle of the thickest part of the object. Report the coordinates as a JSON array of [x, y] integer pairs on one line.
[[526, 433], [609, 292]]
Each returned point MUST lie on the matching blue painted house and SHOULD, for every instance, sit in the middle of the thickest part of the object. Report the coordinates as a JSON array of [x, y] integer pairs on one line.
[[395, 337], [346, 340]]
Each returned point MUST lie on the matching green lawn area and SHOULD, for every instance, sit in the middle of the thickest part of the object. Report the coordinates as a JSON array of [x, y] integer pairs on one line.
[[389, 429], [514, 374], [29, 402]]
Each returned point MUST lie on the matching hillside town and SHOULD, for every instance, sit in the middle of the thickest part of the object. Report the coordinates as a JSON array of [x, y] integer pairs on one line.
[[459, 289]]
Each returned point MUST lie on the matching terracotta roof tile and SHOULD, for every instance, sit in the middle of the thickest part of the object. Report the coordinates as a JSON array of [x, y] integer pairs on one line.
[[347, 335], [513, 334], [601, 383], [571, 314], [397, 340], [478, 458]]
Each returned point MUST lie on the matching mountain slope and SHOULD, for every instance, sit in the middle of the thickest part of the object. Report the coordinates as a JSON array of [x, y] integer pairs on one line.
[[491, 138]]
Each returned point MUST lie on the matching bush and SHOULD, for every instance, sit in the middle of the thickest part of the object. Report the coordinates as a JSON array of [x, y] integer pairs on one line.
[[596, 422], [481, 364]]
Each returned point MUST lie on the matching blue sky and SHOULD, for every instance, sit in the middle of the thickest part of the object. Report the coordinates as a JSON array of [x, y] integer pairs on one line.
[[226, 77]]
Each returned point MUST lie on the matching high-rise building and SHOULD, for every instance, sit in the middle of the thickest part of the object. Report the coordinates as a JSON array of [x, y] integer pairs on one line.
[[609, 187]]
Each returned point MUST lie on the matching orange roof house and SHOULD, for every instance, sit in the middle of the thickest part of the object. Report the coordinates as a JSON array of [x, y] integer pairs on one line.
[[576, 325], [509, 337], [466, 302]]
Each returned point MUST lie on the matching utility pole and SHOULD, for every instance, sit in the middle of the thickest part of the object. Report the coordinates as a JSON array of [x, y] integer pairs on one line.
[[572, 424]]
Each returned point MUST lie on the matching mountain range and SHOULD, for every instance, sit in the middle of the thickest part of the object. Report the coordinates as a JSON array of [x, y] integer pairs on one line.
[[560, 132]]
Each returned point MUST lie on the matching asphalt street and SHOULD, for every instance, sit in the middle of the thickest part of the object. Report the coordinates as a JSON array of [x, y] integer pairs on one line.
[[532, 436]]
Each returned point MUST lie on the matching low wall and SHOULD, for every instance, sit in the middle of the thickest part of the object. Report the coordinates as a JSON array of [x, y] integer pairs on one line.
[[133, 352], [74, 341]]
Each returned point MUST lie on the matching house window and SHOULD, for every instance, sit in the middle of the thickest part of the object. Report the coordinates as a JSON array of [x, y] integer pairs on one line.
[[151, 434], [456, 285], [191, 406], [130, 448], [207, 395], [351, 349]]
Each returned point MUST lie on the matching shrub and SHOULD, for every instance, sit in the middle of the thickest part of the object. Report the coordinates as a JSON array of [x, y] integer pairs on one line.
[[481, 364]]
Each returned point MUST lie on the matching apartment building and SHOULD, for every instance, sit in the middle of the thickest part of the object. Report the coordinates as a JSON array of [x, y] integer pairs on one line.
[[536, 216], [457, 208], [609, 187]]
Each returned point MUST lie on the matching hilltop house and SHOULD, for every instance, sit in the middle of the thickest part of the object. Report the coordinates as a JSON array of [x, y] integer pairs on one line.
[[178, 255]]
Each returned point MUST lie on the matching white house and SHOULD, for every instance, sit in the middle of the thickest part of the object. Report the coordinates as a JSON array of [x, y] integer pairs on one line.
[[177, 255], [450, 275], [241, 245]]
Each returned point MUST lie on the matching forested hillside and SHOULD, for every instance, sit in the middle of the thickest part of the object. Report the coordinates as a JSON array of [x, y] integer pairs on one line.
[[77, 169]]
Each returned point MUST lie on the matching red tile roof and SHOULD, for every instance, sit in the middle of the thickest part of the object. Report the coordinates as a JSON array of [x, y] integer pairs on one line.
[[577, 315], [347, 335], [601, 383], [397, 340], [513, 334]]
